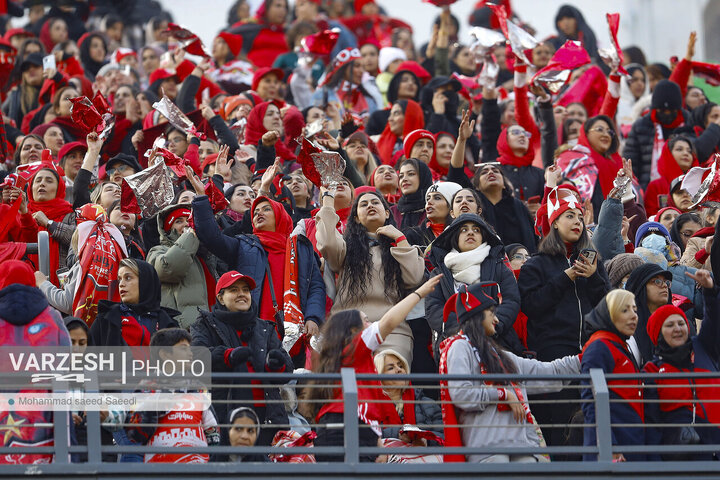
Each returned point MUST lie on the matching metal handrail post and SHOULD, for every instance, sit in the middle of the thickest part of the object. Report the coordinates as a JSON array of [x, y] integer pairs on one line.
[[92, 424], [61, 429], [350, 415], [603, 433]]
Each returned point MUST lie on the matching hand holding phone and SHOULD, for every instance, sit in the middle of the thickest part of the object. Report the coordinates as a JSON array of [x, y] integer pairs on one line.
[[49, 62]]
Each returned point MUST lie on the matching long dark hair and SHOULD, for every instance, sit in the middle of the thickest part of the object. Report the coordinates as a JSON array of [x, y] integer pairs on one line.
[[337, 334], [357, 271], [552, 244], [494, 358]]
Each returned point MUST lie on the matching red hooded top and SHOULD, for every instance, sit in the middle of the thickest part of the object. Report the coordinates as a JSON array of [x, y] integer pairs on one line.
[[507, 157], [254, 130], [669, 170], [274, 243], [414, 120]]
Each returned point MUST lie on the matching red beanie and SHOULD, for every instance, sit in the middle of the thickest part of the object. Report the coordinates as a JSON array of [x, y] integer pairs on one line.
[[180, 211], [234, 42], [412, 138], [359, 4], [15, 271], [261, 72], [656, 320]]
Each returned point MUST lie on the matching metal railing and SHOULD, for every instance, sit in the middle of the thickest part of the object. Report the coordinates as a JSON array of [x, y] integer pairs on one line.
[[349, 455]]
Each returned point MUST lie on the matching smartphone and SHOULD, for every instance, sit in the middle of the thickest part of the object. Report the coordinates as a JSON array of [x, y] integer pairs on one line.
[[590, 255], [49, 63]]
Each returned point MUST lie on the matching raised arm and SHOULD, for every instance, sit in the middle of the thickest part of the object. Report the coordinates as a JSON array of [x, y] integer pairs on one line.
[[397, 314]]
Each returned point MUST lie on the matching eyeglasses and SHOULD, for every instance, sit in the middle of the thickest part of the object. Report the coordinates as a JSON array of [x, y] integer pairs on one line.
[[120, 169], [659, 282], [520, 256], [603, 131], [687, 233], [519, 132]]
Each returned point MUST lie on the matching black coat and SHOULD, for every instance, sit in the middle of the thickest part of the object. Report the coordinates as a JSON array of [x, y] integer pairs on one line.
[[106, 330], [555, 305], [493, 269], [219, 336]]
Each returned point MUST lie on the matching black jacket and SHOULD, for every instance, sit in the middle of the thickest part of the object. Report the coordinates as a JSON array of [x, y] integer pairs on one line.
[[555, 305], [106, 330], [493, 269], [219, 336]]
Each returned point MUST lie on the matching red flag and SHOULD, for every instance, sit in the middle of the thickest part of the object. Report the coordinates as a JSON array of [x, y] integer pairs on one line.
[[84, 114], [101, 248], [520, 40], [305, 160], [708, 72], [589, 90], [567, 58], [190, 42], [320, 43], [613, 20]]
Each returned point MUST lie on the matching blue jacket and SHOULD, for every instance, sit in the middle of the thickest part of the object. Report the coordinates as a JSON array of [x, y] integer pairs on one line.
[[246, 254]]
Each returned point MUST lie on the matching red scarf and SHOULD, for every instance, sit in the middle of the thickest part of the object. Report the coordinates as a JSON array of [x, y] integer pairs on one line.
[[275, 244], [436, 228], [254, 130], [508, 157], [101, 248], [414, 120], [54, 210], [408, 399], [668, 167], [453, 434], [293, 313]]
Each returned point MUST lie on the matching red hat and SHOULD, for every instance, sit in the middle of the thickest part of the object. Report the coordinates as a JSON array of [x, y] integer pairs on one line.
[[15, 271], [656, 320], [343, 57], [180, 211], [470, 300], [161, 74], [234, 42], [359, 4], [69, 147], [231, 277], [412, 138], [231, 103], [416, 68], [123, 52], [261, 72], [16, 31], [559, 201]]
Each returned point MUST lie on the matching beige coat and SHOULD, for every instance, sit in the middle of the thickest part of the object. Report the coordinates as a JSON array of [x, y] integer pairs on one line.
[[694, 245], [331, 245]]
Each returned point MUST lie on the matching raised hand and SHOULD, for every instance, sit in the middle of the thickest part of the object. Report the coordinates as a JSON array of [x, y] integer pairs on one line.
[[389, 231], [194, 181], [467, 127], [702, 277], [690, 53], [269, 175], [270, 138], [222, 164], [426, 288]]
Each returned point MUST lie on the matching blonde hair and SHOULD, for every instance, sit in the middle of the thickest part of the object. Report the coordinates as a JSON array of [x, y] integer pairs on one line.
[[131, 264], [616, 300]]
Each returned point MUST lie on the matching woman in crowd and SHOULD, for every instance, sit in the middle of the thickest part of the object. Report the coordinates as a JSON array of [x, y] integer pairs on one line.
[[127, 223], [558, 286], [240, 198], [244, 432], [469, 253], [385, 179], [609, 326], [405, 117], [186, 270], [239, 341], [349, 338], [29, 150], [138, 315], [677, 157], [502, 405], [383, 266], [415, 178], [688, 402], [438, 200]]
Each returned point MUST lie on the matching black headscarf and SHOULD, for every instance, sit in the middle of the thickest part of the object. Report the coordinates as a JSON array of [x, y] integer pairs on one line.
[[392, 92], [680, 357], [678, 223], [149, 289], [636, 284], [414, 203], [90, 65], [700, 114], [584, 32]]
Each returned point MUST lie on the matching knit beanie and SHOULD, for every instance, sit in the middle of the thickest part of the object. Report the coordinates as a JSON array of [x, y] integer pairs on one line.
[[666, 96], [621, 265], [446, 189], [656, 320]]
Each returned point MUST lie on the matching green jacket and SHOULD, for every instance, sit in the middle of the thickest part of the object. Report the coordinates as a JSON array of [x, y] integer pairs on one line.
[[181, 272]]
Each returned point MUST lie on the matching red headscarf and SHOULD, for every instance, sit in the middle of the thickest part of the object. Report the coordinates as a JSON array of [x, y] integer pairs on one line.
[[275, 244], [254, 130], [507, 157], [607, 166], [54, 210], [414, 120], [668, 167]]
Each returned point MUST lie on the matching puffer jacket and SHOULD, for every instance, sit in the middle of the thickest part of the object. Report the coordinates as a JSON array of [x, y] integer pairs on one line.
[[181, 272], [555, 305], [493, 269], [219, 337]]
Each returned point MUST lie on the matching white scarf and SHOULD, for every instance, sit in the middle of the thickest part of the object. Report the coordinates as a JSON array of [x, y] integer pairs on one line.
[[465, 266]]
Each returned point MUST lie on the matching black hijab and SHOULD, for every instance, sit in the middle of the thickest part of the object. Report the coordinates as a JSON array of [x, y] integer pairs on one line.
[[636, 284], [413, 203], [90, 65], [149, 289], [700, 114]]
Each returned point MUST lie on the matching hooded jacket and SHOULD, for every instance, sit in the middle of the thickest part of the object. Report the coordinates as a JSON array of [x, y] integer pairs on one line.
[[246, 254], [555, 305], [221, 331], [120, 324], [527, 180], [492, 269], [187, 279], [606, 349]]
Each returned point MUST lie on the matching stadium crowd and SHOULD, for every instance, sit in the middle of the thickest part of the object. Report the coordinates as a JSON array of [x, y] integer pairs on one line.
[[316, 191]]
